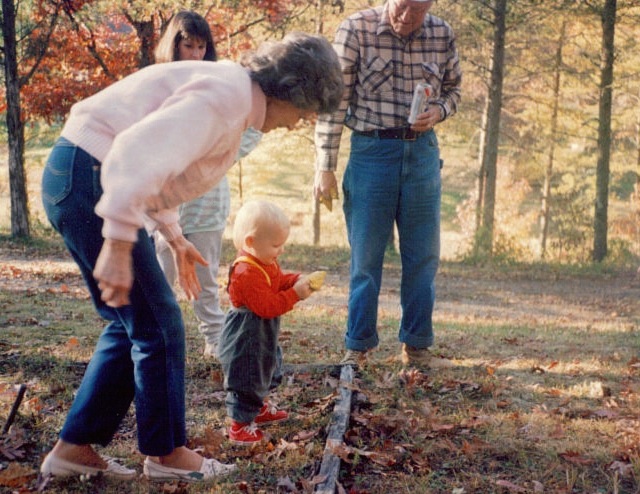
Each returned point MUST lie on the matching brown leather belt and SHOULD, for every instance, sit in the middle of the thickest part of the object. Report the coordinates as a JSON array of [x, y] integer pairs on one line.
[[402, 133]]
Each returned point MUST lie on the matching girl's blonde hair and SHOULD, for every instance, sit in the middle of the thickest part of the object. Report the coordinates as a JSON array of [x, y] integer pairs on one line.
[[254, 217]]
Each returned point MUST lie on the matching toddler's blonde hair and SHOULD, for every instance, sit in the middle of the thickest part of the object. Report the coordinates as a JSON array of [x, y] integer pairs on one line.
[[254, 218]]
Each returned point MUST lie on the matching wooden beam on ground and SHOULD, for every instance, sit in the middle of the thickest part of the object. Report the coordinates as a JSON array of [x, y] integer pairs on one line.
[[330, 467]]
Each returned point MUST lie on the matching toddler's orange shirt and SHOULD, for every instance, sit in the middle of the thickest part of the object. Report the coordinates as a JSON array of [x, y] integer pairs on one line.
[[268, 298]]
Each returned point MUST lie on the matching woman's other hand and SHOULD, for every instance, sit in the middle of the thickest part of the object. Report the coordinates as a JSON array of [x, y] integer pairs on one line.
[[114, 272]]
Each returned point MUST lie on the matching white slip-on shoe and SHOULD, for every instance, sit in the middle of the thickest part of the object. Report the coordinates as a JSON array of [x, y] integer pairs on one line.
[[57, 467], [210, 469]]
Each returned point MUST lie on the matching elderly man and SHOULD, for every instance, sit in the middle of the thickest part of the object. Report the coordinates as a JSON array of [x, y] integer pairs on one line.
[[393, 172]]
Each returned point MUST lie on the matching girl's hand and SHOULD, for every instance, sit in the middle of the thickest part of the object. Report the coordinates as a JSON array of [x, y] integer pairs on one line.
[[186, 256], [114, 272]]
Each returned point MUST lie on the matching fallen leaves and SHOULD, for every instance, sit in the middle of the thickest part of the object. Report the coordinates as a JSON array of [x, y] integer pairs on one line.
[[211, 442], [32, 277], [12, 444], [12, 447], [17, 475], [72, 343], [624, 469], [304, 436], [10, 271], [381, 458], [576, 458], [307, 485]]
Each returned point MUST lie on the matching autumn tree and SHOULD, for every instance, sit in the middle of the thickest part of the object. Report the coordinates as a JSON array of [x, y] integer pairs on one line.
[[607, 13], [18, 191], [490, 132], [626, 124], [549, 113], [545, 212], [608, 16], [605, 123], [104, 41], [494, 59], [35, 34], [82, 58]]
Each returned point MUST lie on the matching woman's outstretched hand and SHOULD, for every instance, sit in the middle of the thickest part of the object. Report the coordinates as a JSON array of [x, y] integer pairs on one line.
[[186, 256]]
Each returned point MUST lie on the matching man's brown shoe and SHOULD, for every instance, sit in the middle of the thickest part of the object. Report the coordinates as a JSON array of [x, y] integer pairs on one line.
[[422, 358], [355, 358]]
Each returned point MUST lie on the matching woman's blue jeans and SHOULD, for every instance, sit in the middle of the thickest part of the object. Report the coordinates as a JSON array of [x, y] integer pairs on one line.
[[391, 181], [140, 354]]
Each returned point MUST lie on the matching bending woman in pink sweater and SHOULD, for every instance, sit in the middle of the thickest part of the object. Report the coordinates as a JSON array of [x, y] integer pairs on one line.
[[127, 158]]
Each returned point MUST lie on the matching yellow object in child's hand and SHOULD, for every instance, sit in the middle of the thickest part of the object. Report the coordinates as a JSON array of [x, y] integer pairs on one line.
[[316, 280]]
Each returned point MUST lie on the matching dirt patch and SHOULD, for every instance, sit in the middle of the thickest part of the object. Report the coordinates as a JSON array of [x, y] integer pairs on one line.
[[464, 293]]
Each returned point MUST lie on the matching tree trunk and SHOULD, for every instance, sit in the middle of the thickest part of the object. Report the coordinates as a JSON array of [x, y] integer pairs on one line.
[[15, 127], [548, 174], [484, 237], [481, 174], [146, 34], [636, 195], [604, 132]]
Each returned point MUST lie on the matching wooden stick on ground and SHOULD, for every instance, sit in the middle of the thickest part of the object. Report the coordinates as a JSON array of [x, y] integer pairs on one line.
[[14, 408], [330, 462]]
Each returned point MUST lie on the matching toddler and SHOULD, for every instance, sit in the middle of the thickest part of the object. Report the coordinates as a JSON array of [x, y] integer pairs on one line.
[[259, 293]]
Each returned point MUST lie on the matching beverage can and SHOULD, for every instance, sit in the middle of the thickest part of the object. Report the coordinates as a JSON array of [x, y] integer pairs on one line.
[[421, 95]]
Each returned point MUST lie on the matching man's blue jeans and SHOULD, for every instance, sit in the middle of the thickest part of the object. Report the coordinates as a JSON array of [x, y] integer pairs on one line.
[[140, 354], [389, 181]]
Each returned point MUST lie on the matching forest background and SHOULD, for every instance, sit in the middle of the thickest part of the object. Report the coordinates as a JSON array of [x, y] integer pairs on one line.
[[548, 132]]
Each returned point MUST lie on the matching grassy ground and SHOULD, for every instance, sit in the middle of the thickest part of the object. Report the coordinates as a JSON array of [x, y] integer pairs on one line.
[[544, 395]]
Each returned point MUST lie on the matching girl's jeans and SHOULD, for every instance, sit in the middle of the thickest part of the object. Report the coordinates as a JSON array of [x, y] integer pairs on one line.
[[140, 354], [207, 307], [391, 181]]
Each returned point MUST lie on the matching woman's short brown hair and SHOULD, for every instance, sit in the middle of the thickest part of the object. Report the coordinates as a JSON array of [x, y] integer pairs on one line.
[[302, 69]]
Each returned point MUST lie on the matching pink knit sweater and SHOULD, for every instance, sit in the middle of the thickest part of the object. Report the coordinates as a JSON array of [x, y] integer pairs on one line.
[[165, 135]]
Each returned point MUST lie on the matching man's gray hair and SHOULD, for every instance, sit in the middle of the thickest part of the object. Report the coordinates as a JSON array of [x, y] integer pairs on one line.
[[302, 68]]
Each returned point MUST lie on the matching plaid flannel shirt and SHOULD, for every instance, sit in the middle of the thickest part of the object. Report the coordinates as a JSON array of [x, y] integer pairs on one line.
[[381, 70]]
